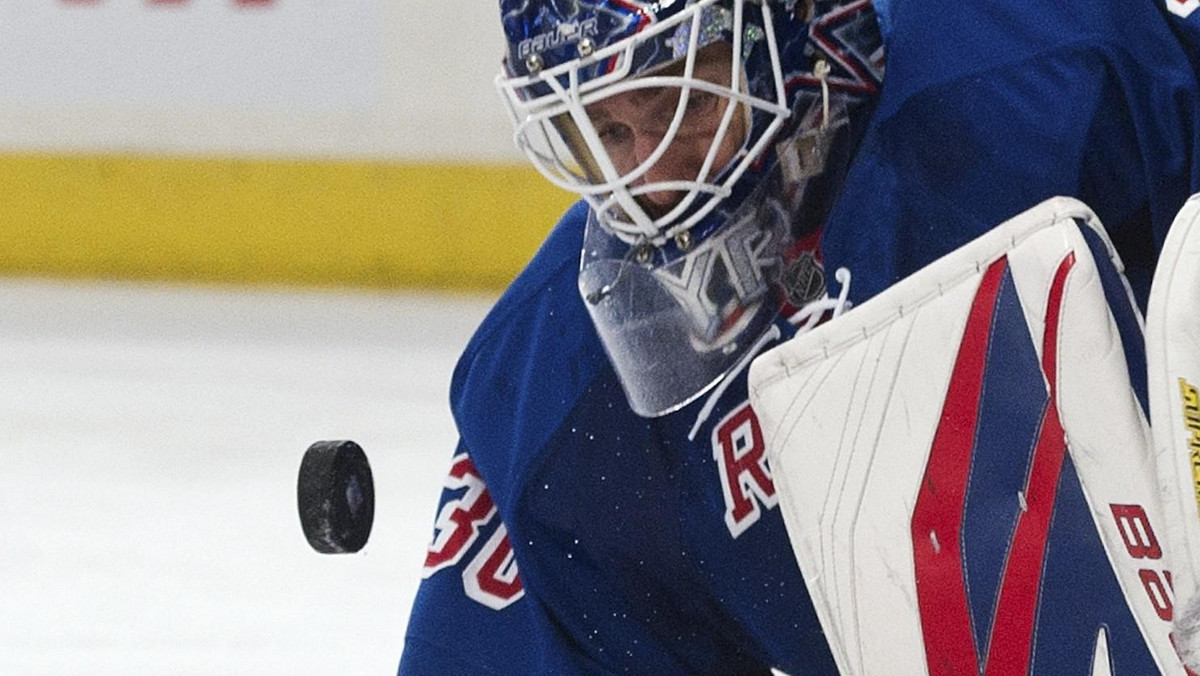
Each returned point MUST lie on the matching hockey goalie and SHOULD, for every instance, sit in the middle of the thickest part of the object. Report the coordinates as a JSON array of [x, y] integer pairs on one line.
[[980, 470]]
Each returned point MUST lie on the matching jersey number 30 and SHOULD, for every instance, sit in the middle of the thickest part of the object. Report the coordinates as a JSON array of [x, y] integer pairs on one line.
[[490, 577]]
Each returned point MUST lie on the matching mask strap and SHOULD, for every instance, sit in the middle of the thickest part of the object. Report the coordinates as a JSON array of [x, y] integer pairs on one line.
[[821, 70]]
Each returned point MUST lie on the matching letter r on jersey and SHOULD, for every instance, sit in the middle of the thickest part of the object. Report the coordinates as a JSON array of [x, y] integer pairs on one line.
[[741, 459]]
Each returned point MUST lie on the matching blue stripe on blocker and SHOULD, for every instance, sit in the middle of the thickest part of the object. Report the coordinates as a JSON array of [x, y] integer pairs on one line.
[[1011, 406]]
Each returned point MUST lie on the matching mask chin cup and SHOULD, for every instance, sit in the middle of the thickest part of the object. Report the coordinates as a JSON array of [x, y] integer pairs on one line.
[[673, 329]]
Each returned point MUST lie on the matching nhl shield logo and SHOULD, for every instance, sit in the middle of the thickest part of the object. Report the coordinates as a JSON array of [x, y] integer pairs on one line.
[[803, 279]]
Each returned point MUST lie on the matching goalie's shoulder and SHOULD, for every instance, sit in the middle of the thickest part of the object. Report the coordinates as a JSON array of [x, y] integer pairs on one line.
[[549, 275], [541, 297], [530, 359]]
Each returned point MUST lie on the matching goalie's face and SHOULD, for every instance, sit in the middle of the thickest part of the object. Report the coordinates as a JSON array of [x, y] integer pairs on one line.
[[651, 112], [633, 125]]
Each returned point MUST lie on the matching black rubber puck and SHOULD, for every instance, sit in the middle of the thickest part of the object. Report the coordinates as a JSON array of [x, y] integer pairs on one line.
[[336, 497]]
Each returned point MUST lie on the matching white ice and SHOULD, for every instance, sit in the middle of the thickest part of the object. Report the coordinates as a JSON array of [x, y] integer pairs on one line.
[[149, 443]]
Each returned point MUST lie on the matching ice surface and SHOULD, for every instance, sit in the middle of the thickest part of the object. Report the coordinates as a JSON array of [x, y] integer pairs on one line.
[[150, 439]]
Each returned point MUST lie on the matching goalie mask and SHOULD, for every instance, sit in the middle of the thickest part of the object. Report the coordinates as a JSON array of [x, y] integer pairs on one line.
[[707, 136]]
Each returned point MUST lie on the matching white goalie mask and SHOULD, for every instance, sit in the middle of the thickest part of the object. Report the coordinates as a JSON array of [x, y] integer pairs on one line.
[[555, 111], [694, 129]]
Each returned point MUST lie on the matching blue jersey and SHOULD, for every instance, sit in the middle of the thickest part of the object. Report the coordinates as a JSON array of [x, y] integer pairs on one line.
[[616, 544], [576, 538], [990, 107]]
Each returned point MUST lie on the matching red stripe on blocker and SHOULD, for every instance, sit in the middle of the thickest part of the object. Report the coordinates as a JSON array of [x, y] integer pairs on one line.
[[1011, 643], [937, 518], [938, 514]]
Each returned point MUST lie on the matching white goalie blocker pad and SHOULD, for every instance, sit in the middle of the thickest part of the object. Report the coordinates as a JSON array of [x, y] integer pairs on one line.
[[1173, 357], [965, 468]]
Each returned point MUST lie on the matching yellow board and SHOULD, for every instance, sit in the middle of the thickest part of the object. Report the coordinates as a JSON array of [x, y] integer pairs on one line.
[[271, 221]]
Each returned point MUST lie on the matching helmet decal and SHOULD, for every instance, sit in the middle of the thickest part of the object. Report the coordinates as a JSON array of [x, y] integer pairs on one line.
[[544, 33]]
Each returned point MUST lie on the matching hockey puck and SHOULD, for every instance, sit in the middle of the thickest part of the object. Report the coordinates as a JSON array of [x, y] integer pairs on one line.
[[336, 497]]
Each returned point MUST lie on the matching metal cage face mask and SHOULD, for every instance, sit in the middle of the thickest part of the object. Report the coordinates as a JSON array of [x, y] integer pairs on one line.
[[684, 272], [655, 129]]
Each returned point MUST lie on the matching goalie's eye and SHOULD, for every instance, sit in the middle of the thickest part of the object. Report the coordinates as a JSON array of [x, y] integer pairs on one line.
[[614, 135], [699, 103]]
